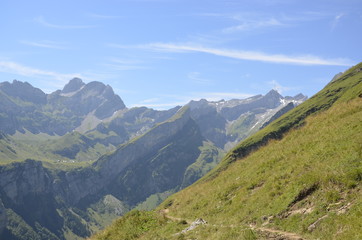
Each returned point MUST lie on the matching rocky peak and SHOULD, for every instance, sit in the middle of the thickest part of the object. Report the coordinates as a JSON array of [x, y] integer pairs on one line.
[[74, 85], [99, 97], [300, 97], [198, 104], [23, 91], [272, 99], [273, 94]]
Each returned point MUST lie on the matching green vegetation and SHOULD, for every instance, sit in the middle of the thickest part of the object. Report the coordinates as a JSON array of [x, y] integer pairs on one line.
[[209, 157], [62, 152], [153, 201], [301, 175], [241, 126], [134, 225]]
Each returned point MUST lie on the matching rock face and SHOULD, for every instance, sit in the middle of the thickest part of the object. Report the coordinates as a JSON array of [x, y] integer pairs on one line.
[[23, 179], [227, 122], [281, 112], [27, 190], [23, 91], [27, 108], [74, 85]]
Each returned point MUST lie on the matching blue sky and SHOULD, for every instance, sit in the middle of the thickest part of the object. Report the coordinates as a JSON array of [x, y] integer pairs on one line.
[[163, 53]]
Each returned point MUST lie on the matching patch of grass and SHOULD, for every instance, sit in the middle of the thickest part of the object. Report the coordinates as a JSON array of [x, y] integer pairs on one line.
[[134, 225]]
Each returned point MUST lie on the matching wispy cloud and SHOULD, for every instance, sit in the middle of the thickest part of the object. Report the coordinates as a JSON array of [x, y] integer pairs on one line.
[[124, 64], [247, 55], [254, 24], [197, 78], [150, 100], [278, 87], [256, 21], [44, 44], [337, 20], [19, 69], [45, 23]]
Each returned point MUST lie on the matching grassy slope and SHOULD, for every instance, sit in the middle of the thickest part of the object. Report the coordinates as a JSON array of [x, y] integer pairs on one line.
[[75, 149], [299, 176]]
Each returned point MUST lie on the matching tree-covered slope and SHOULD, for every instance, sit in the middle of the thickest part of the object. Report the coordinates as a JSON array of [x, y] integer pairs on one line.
[[298, 178]]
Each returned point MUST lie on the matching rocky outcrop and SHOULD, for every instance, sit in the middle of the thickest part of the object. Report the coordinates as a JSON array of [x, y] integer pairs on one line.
[[20, 179]]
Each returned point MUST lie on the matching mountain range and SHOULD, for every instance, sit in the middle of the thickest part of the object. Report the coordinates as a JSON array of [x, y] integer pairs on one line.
[[300, 177], [75, 159]]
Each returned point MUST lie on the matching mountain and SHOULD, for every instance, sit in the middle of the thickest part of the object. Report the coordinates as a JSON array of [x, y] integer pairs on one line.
[[225, 123], [300, 177], [153, 163], [95, 159], [44, 129], [26, 108]]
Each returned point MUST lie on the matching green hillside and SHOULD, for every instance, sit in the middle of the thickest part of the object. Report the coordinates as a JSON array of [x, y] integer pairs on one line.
[[298, 178]]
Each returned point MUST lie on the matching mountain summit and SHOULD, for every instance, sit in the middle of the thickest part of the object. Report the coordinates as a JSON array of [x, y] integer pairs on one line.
[[74, 85]]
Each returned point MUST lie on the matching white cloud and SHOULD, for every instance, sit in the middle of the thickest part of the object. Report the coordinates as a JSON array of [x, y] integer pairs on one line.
[[44, 44], [18, 69], [247, 55], [150, 100], [278, 87], [337, 19], [124, 64], [197, 78], [252, 25], [43, 22]]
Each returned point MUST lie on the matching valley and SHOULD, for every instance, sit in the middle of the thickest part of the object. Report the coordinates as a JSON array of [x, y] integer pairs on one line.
[[80, 157]]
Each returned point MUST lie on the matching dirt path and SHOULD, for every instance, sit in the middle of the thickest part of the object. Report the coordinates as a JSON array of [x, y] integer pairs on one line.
[[278, 233], [267, 232]]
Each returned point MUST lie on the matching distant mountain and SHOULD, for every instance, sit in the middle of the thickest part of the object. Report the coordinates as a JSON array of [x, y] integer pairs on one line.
[[98, 159], [300, 177], [227, 122], [25, 108]]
